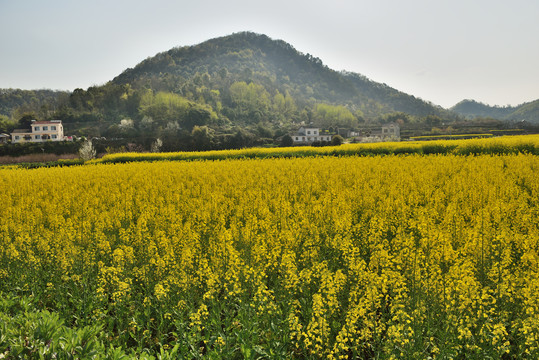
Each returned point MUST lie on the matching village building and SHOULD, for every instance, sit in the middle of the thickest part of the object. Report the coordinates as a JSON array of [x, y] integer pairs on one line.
[[392, 130], [4, 138], [387, 132], [40, 131], [307, 135]]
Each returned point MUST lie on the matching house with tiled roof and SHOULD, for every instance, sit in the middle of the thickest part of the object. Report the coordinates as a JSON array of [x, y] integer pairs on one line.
[[40, 131]]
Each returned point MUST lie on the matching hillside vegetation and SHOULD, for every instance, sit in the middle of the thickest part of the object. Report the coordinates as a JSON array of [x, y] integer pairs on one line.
[[527, 112], [239, 90]]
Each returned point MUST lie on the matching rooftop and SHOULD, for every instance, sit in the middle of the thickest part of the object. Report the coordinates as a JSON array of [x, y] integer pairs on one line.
[[46, 122]]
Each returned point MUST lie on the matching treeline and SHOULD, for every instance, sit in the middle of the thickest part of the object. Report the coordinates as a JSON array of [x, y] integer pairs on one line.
[[14, 103], [57, 147]]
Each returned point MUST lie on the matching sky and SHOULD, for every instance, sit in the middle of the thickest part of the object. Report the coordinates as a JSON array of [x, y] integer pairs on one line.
[[441, 51]]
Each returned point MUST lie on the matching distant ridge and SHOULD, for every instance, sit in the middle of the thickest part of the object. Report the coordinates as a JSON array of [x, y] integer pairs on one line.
[[470, 109]]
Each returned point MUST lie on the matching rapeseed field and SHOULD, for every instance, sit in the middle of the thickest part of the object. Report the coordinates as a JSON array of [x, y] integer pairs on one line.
[[393, 257]]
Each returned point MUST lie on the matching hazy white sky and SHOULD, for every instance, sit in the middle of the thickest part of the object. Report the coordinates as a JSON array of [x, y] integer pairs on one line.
[[439, 50]]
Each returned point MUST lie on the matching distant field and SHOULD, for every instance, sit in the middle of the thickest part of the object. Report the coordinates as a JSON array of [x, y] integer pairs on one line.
[[499, 145], [450, 137], [35, 158], [528, 144], [336, 257]]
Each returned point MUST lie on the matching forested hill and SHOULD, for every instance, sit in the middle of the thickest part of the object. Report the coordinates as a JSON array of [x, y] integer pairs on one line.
[[528, 112], [16, 102], [278, 66], [221, 93]]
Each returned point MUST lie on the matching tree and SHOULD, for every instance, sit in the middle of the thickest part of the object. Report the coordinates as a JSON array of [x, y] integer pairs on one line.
[[223, 73], [287, 141], [433, 120], [240, 139], [251, 102], [163, 107], [326, 115], [197, 116], [284, 108], [157, 145], [337, 140], [202, 137], [87, 151], [5, 124], [26, 121]]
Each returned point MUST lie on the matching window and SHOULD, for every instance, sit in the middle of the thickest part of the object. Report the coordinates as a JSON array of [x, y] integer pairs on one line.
[[45, 128], [16, 137], [53, 127], [385, 130], [309, 132], [297, 138], [54, 136], [38, 137], [36, 128]]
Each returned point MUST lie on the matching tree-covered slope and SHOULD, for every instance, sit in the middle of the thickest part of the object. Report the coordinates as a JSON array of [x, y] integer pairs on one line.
[[276, 65], [471, 109], [248, 57], [43, 101], [528, 112], [394, 99]]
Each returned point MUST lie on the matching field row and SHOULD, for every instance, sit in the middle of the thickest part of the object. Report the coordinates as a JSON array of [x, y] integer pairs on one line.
[[500, 145]]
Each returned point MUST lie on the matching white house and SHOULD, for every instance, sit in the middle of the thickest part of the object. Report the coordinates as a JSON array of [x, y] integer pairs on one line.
[[40, 131], [309, 135]]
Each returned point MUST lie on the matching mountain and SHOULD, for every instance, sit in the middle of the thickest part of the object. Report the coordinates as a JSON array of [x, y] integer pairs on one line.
[[278, 66], [227, 92], [471, 109]]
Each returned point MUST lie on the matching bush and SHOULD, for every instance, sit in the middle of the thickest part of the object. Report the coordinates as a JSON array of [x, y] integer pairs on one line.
[[337, 140], [49, 147], [287, 141]]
